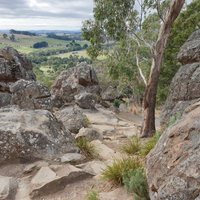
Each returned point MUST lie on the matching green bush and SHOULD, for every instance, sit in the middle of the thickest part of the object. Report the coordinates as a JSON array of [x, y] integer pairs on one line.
[[135, 181], [146, 148], [114, 172], [93, 195], [116, 103], [133, 146], [86, 148]]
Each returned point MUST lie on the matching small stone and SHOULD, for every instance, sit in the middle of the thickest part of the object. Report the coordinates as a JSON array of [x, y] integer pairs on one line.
[[8, 188], [44, 175], [72, 157]]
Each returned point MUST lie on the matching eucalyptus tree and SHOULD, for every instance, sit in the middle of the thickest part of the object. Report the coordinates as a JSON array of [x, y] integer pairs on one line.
[[126, 22]]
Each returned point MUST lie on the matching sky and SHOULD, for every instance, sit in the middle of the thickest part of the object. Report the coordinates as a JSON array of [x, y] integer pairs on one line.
[[44, 14]]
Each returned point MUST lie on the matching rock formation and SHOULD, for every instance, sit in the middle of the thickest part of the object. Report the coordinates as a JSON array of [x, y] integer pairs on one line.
[[73, 82], [13, 67], [186, 83], [18, 84], [173, 166], [32, 134]]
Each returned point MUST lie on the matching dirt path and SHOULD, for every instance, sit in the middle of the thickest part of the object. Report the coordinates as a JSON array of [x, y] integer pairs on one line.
[[115, 130]]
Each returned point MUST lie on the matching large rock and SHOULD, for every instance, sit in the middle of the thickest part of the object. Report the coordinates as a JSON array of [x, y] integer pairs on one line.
[[18, 82], [173, 167], [32, 134], [90, 134], [190, 51], [30, 95], [48, 181], [8, 188], [73, 119], [184, 90], [86, 100], [74, 81]]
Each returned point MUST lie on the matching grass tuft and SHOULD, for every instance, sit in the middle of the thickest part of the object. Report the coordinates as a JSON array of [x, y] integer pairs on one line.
[[114, 172], [92, 195], [146, 148], [133, 146], [86, 148]]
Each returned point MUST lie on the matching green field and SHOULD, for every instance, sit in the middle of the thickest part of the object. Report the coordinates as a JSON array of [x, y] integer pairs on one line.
[[24, 44]]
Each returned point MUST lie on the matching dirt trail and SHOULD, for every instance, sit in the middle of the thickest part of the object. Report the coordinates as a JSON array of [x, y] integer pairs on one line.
[[115, 130]]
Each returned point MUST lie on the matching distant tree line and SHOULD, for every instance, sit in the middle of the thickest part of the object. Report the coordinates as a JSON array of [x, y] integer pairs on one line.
[[64, 37], [72, 46], [12, 31]]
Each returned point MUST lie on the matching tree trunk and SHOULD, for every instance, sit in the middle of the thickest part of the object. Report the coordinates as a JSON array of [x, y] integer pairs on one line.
[[149, 103]]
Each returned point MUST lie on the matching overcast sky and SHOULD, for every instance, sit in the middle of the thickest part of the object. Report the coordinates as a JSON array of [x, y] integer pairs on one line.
[[44, 14]]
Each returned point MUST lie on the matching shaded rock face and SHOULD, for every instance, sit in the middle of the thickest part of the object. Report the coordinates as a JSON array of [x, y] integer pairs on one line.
[[30, 95], [74, 81], [185, 86], [32, 134], [173, 167]]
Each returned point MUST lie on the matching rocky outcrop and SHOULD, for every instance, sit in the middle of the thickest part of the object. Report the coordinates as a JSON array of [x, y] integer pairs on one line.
[[32, 134], [18, 84], [173, 167], [13, 67], [186, 83], [73, 82], [30, 95]]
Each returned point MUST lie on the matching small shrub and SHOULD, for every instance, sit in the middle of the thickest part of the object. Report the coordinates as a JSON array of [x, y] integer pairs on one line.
[[114, 172], [150, 144], [135, 181], [116, 103], [93, 195], [133, 146], [86, 148]]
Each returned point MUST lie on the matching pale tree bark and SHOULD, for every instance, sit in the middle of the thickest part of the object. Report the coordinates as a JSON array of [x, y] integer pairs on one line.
[[149, 103]]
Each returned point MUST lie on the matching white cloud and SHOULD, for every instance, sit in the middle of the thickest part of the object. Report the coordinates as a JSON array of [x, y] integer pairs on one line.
[[44, 14]]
